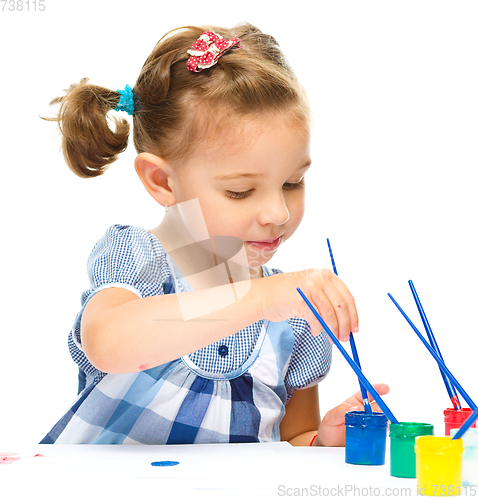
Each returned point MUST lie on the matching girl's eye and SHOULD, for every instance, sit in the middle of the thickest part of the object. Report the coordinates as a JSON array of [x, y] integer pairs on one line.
[[297, 185], [244, 194], [238, 196]]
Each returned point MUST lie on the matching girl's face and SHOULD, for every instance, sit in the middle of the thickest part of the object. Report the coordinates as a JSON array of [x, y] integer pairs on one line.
[[251, 187]]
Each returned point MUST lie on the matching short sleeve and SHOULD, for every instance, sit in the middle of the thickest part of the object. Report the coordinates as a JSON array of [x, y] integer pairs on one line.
[[311, 357], [127, 257], [310, 360]]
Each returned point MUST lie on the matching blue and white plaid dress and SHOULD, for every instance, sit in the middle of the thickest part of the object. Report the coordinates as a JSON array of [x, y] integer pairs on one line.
[[232, 391]]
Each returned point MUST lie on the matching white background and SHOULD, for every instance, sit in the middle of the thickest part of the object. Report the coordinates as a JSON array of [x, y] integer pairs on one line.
[[393, 88]]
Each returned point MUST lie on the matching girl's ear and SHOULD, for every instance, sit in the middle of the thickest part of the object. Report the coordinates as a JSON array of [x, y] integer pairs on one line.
[[156, 175]]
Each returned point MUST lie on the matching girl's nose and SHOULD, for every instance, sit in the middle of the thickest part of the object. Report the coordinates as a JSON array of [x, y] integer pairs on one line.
[[274, 211]]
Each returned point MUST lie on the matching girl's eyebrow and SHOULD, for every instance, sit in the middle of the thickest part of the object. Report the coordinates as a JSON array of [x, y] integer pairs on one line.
[[237, 175]]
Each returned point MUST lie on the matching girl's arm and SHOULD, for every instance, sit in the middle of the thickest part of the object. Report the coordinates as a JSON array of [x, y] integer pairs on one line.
[[302, 417], [122, 333]]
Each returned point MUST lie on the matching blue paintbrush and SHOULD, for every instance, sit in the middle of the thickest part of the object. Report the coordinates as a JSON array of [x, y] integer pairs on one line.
[[449, 387], [467, 424], [437, 358], [363, 390], [351, 362]]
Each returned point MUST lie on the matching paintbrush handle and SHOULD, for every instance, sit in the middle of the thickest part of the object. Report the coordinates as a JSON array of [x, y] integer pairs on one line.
[[363, 390], [352, 363], [332, 257], [435, 355], [431, 337], [467, 424]]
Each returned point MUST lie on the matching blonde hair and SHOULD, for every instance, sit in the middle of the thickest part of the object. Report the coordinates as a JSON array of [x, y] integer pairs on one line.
[[175, 109]]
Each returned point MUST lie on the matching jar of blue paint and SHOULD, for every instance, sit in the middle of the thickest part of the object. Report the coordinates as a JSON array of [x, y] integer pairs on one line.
[[365, 438]]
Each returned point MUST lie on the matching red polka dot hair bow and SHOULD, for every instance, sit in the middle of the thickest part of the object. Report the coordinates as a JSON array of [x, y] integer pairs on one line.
[[207, 50]]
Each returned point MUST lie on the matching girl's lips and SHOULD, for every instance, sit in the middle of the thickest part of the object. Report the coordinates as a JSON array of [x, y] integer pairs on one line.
[[263, 245]]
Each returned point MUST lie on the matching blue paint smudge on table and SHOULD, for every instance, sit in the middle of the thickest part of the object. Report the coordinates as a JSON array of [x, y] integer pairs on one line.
[[164, 463]]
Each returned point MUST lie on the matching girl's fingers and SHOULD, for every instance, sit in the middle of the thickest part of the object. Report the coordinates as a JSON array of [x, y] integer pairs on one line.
[[335, 304], [349, 302], [321, 305], [336, 312], [336, 416], [382, 389], [325, 309], [375, 407], [305, 312]]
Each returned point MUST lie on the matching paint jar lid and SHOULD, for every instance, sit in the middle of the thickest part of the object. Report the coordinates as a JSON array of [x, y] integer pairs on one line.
[[438, 444], [357, 418], [470, 438], [410, 430]]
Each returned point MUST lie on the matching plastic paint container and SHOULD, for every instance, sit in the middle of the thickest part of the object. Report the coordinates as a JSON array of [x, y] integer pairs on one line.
[[402, 447], [454, 418], [439, 465], [470, 456], [365, 438]]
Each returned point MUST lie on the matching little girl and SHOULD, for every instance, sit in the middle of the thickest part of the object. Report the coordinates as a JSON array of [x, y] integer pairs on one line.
[[185, 336]]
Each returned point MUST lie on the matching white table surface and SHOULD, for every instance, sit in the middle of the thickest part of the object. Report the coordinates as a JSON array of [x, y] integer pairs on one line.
[[236, 471]]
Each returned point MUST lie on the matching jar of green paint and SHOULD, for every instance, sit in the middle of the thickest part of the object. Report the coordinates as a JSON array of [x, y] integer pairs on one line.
[[402, 443]]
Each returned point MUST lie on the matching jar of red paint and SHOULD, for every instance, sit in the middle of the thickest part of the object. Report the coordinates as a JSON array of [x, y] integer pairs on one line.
[[455, 418]]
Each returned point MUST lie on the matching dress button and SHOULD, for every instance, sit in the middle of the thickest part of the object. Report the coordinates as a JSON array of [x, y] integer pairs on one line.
[[223, 350]]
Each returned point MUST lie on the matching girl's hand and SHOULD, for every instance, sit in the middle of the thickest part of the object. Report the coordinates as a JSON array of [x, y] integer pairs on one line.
[[332, 429], [327, 293]]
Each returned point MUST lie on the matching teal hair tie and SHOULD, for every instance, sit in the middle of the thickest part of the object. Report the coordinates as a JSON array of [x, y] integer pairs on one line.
[[126, 102]]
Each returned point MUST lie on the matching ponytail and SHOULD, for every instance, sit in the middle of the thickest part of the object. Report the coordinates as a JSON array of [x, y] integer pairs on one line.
[[179, 109], [88, 143]]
